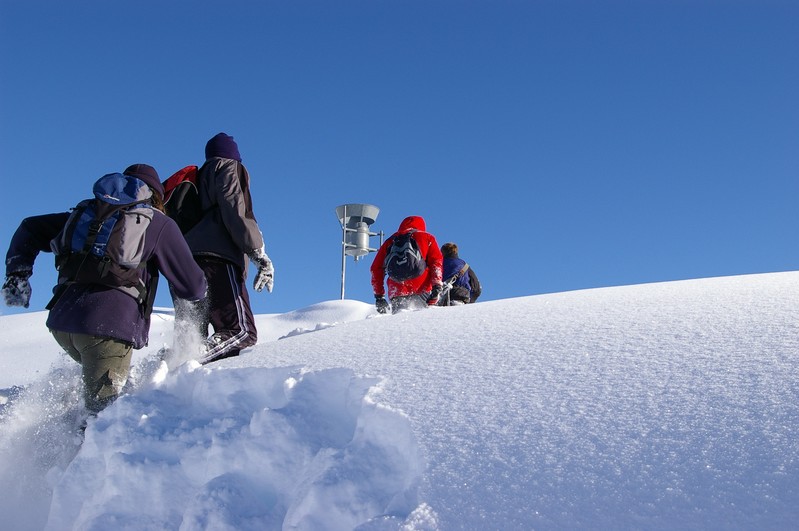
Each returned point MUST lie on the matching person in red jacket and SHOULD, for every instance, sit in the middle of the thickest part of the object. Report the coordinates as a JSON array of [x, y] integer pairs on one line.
[[418, 291]]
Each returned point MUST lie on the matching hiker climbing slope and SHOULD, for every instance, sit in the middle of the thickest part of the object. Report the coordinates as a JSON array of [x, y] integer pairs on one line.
[[461, 285], [411, 260], [224, 240], [109, 259]]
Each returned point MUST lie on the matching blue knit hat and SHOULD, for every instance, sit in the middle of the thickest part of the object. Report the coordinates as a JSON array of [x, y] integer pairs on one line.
[[224, 146]]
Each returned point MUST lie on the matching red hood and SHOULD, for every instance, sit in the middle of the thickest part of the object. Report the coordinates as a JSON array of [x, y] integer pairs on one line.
[[412, 223]]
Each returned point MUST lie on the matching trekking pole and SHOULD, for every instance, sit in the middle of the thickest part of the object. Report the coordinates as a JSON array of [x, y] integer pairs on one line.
[[446, 286]]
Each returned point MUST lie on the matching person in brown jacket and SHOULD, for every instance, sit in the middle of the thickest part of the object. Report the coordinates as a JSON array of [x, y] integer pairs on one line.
[[222, 243]]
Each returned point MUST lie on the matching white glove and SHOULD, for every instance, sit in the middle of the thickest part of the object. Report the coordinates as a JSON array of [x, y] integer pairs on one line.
[[265, 278], [17, 289]]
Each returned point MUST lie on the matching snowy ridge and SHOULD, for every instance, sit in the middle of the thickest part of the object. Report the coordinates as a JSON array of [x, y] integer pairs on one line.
[[658, 406]]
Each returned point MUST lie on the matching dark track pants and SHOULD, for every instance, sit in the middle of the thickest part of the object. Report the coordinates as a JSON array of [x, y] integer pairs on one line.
[[227, 310]]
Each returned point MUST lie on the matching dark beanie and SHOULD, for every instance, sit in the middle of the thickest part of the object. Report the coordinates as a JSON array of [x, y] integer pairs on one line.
[[147, 174], [224, 146]]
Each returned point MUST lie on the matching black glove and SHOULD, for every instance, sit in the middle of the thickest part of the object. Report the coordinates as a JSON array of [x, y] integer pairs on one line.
[[16, 289], [435, 293], [381, 304], [265, 278]]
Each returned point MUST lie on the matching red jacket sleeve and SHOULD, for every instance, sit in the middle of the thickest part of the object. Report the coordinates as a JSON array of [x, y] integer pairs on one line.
[[378, 268], [435, 262]]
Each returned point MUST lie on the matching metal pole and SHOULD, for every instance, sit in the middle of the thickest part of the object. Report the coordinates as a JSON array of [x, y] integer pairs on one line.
[[343, 251]]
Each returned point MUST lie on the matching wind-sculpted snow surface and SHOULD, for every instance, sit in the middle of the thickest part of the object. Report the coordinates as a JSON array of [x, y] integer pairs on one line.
[[242, 449], [660, 406]]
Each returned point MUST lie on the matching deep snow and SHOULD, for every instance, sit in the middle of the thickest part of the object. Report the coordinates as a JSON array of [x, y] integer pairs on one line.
[[659, 406]]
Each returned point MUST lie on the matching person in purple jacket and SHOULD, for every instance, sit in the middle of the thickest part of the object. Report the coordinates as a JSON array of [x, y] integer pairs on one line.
[[97, 325]]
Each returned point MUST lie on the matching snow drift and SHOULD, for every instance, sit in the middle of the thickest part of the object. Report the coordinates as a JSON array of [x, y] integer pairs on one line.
[[658, 406]]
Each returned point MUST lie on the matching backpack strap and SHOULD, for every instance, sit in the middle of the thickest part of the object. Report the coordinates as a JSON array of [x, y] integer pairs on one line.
[[144, 296], [148, 301], [453, 278], [57, 292]]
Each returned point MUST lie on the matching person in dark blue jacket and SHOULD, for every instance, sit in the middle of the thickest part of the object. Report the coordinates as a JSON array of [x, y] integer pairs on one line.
[[98, 326], [464, 287]]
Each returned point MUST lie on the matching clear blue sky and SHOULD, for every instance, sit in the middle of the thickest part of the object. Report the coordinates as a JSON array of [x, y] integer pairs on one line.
[[561, 144]]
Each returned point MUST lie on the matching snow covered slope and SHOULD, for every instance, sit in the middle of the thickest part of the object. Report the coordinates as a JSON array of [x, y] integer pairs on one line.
[[658, 406]]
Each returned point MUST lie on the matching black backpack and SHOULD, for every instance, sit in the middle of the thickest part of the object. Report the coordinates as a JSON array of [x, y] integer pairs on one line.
[[404, 260], [182, 198], [102, 241]]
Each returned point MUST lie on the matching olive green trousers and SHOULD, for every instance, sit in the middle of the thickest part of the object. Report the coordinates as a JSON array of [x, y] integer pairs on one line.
[[105, 363]]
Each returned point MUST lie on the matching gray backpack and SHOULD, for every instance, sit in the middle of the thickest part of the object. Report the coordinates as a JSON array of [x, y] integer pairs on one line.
[[404, 260], [103, 239]]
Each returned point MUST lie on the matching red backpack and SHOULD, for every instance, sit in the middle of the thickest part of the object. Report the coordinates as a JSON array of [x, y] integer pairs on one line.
[[182, 198]]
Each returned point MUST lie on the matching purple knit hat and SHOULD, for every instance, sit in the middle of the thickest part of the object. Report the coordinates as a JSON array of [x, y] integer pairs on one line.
[[146, 173], [224, 146]]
